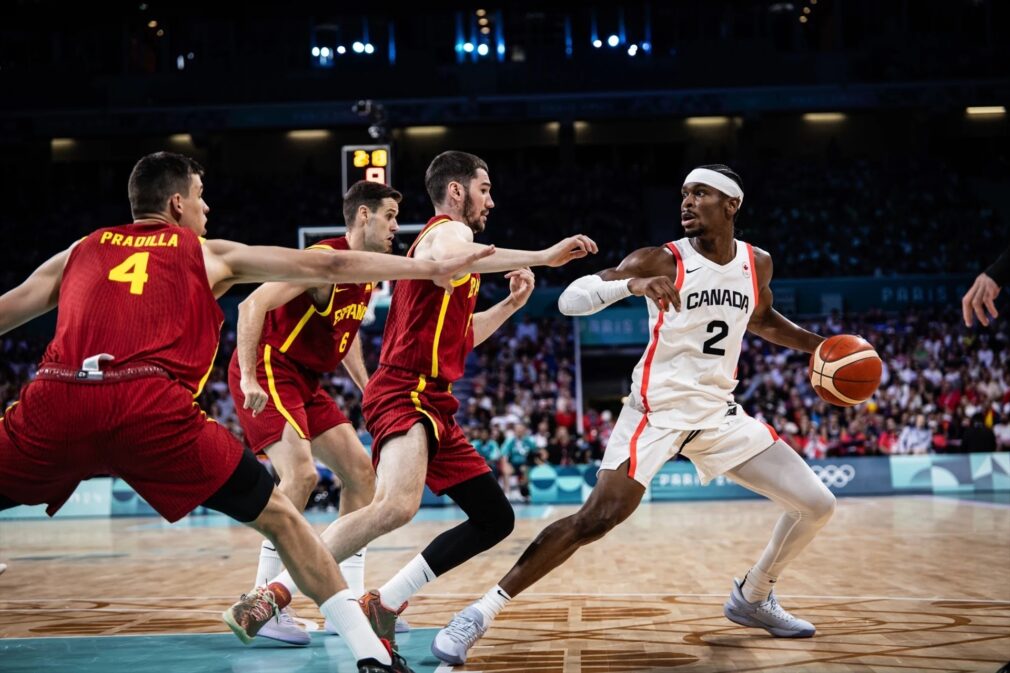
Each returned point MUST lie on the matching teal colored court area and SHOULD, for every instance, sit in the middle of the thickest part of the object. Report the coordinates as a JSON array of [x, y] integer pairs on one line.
[[196, 653]]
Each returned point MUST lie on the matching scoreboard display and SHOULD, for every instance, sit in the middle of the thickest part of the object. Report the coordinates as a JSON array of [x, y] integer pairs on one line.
[[366, 162]]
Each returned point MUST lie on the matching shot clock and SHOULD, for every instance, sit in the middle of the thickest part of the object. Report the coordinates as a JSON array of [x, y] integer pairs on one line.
[[366, 162]]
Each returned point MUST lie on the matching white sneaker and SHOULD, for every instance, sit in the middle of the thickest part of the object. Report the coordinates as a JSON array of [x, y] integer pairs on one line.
[[453, 643], [285, 629], [402, 626], [767, 615], [3, 567]]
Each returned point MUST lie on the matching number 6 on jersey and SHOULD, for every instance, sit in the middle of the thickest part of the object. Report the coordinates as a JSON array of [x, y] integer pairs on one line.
[[133, 271]]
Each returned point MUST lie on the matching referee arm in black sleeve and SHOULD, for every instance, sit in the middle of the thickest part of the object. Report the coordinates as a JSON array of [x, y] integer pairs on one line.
[[981, 297]]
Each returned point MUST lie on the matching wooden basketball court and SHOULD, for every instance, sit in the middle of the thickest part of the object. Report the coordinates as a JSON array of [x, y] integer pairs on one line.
[[892, 584]]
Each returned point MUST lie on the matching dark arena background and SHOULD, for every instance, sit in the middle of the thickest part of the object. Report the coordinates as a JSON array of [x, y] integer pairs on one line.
[[873, 143]]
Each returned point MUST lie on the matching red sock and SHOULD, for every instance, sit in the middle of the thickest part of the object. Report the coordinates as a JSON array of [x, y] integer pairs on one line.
[[281, 594]]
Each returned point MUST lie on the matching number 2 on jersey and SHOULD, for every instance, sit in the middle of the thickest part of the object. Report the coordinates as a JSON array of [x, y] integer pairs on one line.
[[721, 329], [133, 271]]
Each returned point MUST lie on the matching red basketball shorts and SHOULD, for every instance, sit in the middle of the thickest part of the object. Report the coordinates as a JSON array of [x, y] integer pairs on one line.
[[396, 400], [296, 398], [148, 431]]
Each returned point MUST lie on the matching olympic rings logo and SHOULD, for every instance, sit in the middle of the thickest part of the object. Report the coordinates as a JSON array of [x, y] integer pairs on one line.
[[837, 476]]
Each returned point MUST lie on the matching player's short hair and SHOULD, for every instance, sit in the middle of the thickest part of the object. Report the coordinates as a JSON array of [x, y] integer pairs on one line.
[[157, 177], [729, 173], [451, 166], [368, 194]]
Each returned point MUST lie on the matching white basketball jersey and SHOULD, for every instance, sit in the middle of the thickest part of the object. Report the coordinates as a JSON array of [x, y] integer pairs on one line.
[[687, 375]]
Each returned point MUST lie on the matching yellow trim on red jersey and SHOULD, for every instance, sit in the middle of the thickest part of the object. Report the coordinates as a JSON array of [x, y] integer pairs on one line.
[[415, 397], [425, 233], [320, 246], [438, 334], [457, 283], [203, 381], [333, 293], [298, 328], [273, 392]]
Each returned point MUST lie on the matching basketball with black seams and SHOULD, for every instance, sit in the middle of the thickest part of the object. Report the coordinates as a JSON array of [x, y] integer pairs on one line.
[[845, 370]]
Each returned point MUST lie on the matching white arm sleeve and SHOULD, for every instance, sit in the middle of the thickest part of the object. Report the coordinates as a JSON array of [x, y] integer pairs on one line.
[[590, 294]]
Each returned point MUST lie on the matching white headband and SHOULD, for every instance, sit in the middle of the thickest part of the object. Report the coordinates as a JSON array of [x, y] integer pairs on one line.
[[724, 184]]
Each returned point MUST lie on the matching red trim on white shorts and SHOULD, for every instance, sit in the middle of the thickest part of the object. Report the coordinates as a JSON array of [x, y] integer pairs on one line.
[[633, 446]]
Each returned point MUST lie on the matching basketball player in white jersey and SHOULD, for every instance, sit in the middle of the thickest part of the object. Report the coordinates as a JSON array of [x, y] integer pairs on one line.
[[707, 290]]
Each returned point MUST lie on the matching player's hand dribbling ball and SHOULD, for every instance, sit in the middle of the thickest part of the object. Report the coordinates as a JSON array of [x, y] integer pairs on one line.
[[845, 370]]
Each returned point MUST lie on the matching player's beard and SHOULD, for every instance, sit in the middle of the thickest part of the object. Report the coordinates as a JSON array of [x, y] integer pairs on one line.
[[471, 215]]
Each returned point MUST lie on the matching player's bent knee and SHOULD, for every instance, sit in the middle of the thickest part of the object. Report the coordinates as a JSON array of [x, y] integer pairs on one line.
[[823, 509], [394, 513], [498, 522]]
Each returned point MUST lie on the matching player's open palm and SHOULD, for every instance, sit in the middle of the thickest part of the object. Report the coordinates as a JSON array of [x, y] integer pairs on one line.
[[447, 270], [521, 283], [573, 247], [255, 396], [660, 289]]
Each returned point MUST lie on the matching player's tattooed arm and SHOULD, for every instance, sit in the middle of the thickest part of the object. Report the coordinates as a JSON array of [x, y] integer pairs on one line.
[[37, 295], [768, 323]]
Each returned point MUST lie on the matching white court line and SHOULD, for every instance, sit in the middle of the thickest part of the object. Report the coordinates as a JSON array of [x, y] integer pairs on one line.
[[108, 599], [546, 515]]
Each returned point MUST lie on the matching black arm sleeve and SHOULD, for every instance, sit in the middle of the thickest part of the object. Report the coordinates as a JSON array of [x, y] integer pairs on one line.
[[1000, 269]]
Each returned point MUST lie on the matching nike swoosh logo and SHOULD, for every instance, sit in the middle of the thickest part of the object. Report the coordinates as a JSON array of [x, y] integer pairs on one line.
[[502, 594], [692, 270], [426, 578], [600, 296]]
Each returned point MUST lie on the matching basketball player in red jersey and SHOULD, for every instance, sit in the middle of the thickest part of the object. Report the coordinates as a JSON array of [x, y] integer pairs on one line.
[[289, 334], [682, 402], [409, 405], [136, 336]]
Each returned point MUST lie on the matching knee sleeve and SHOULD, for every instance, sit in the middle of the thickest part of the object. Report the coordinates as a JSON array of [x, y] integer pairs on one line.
[[246, 493], [484, 502], [490, 521]]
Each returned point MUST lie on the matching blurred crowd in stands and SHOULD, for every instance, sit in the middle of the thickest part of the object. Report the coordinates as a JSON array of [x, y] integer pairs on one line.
[[818, 217], [944, 389]]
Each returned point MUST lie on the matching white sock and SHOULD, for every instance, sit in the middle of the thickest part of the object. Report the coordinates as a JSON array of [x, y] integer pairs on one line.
[[270, 563], [491, 603], [757, 584], [406, 583], [353, 570], [343, 611], [288, 582]]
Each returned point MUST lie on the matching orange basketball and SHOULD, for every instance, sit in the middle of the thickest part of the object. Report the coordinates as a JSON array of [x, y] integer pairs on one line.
[[845, 370]]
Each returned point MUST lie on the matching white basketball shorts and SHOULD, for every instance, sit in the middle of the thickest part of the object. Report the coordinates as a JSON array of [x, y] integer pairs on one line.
[[713, 451]]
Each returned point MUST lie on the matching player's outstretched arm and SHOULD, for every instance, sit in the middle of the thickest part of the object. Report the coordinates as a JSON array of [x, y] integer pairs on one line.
[[454, 239], [768, 323], [647, 272], [229, 263], [37, 295], [252, 313]]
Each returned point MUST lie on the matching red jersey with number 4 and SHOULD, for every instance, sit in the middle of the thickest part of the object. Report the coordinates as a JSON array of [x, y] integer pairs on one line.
[[138, 292], [315, 338], [428, 330]]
